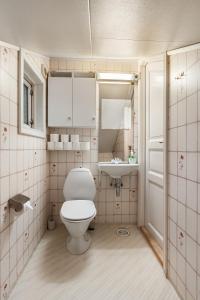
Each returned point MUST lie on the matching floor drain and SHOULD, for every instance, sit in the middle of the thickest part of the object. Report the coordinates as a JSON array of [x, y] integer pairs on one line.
[[123, 231]]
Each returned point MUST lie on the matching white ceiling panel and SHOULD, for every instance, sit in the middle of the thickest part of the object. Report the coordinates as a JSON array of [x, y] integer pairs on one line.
[[119, 28], [129, 48], [146, 20], [51, 27]]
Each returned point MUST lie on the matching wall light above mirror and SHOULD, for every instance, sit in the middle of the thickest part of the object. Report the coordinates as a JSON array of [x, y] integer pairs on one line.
[[32, 100], [117, 76]]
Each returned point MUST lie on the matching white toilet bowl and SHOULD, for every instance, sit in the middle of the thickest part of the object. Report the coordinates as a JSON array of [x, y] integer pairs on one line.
[[77, 214]]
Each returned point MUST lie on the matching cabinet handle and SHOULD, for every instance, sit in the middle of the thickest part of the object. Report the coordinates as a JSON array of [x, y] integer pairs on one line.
[[93, 118], [69, 118]]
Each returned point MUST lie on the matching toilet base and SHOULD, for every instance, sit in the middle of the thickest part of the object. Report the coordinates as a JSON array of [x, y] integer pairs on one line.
[[78, 245]]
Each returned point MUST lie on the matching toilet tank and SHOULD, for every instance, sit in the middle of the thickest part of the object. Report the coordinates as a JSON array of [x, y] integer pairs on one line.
[[79, 185]]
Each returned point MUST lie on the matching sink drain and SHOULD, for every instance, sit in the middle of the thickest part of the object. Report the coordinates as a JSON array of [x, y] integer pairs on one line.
[[122, 231]]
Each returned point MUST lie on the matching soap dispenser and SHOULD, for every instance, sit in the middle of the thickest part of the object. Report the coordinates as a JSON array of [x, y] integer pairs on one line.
[[132, 159]]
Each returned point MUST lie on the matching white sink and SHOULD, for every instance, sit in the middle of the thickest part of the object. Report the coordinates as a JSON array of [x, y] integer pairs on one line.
[[117, 170]]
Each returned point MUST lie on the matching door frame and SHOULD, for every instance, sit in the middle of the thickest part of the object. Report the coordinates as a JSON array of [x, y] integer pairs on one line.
[[142, 148]]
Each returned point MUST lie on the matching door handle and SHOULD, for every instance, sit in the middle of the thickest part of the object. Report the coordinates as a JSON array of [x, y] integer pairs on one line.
[[161, 142], [69, 118]]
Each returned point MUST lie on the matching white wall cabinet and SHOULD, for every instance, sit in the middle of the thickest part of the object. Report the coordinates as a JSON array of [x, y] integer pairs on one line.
[[71, 102], [59, 102], [84, 102]]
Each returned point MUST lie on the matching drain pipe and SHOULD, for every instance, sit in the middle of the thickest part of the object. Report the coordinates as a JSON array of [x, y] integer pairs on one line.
[[117, 183]]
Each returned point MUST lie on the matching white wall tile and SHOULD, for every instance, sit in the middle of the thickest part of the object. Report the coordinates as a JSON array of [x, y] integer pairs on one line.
[[173, 209], [181, 266], [173, 139], [192, 137], [182, 134], [192, 111], [191, 223], [191, 280], [182, 112], [4, 110], [181, 216], [191, 252], [172, 232], [172, 186], [192, 190], [173, 163], [173, 116], [182, 182], [192, 166]]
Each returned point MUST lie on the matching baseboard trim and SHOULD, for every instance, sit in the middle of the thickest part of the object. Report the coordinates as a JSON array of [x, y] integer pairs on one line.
[[153, 244]]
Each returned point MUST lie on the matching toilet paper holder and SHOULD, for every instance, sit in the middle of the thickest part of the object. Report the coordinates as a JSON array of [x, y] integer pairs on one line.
[[17, 202]]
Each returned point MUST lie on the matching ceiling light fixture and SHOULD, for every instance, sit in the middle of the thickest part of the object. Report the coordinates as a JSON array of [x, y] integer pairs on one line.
[[116, 76]]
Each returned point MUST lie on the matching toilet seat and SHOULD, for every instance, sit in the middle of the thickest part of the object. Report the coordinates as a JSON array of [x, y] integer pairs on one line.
[[78, 210]]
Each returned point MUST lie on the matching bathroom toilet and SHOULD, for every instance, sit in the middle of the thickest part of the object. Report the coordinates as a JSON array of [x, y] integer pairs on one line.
[[78, 210]]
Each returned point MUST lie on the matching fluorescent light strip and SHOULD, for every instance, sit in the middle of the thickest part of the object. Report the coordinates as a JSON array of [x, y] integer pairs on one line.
[[115, 76]]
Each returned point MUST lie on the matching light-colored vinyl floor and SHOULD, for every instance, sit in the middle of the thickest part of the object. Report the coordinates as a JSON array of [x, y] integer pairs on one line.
[[114, 268]]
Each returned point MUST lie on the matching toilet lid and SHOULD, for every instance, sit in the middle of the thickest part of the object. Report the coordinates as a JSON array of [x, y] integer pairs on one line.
[[78, 209]]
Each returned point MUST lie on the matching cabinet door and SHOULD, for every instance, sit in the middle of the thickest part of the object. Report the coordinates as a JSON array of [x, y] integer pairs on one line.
[[59, 102], [84, 102]]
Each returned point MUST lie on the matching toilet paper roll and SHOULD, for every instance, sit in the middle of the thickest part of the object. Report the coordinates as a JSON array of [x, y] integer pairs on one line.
[[64, 138], [74, 138], [67, 145], [28, 205], [50, 146], [58, 145], [84, 145], [54, 137]]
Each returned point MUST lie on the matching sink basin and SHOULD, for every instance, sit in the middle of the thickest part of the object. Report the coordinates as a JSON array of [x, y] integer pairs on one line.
[[116, 170]]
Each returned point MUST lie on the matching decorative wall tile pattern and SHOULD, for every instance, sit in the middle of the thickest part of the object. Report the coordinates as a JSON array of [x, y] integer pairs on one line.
[[184, 159], [23, 169]]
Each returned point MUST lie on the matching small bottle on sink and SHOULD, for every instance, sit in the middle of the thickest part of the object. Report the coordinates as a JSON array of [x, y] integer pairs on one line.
[[132, 159]]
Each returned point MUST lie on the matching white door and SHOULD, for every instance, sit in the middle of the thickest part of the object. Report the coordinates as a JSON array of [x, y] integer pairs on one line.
[[154, 199], [59, 102], [84, 102]]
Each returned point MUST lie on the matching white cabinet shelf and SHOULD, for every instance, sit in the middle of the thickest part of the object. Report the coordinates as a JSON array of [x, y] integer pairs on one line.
[[72, 101], [60, 146], [59, 102]]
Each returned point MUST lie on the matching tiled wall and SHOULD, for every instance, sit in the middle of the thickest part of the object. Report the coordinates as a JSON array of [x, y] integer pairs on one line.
[[106, 156], [23, 169], [100, 65], [184, 174], [111, 209]]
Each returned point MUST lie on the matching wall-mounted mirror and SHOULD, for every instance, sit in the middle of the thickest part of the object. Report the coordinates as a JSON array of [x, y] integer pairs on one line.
[[115, 120]]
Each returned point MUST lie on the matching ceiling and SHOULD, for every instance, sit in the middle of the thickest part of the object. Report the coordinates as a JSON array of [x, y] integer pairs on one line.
[[100, 28]]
